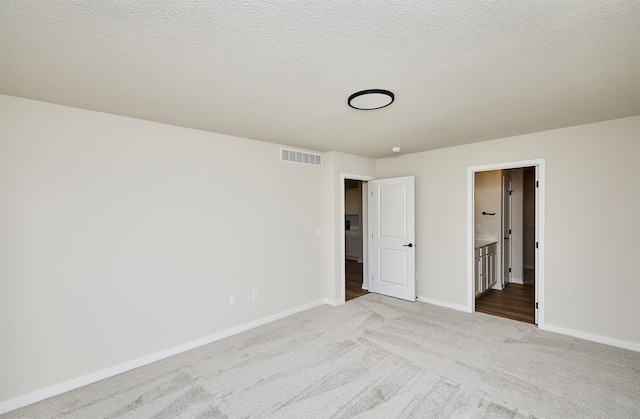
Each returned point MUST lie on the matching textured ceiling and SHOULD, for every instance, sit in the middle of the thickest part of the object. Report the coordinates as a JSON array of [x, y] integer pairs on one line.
[[281, 71]]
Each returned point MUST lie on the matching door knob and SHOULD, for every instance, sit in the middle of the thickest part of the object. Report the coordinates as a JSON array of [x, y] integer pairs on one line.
[[408, 245]]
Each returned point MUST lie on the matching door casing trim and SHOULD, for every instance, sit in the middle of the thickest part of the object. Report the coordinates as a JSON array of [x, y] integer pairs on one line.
[[539, 164]]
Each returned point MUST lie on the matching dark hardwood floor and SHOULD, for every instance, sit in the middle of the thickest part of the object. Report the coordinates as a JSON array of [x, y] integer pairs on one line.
[[353, 280], [514, 302]]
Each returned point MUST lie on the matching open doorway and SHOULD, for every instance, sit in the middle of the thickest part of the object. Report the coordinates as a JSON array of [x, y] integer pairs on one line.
[[505, 226], [500, 236], [387, 221], [354, 239]]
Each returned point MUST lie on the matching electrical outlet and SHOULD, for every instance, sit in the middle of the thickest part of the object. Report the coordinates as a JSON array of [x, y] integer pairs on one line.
[[232, 300], [254, 295]]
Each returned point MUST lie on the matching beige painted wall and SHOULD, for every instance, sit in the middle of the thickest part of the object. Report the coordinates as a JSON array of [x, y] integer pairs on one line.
[[488, 198], [517, 250], [122, 238], [592, 221], [529, 217]]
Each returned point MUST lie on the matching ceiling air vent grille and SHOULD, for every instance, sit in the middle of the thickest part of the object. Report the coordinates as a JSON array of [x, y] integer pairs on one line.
[[300, 157]]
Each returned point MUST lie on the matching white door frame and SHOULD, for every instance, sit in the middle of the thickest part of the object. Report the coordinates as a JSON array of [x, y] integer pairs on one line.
[[365, 233], [539, 232]]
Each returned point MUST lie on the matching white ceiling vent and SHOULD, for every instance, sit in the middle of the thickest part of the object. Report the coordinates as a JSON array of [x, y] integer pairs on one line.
[[301, 157]]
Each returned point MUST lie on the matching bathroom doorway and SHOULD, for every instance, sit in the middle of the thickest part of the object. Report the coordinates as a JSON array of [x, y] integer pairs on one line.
[[507, 263], [500, 194]]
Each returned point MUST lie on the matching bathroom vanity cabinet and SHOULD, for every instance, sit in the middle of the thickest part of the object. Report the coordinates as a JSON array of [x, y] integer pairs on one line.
[[486, 267]]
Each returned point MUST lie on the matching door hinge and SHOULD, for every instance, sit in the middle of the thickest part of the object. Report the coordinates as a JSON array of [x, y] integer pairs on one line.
[[510, 192], [536, 245], [537, 184], [509, 231], [509, 270], [536, 305]]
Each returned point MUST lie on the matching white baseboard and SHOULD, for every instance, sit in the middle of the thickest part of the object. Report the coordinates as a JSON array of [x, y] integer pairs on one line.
[[136, 363], [333, 302], [145, 360], [517, 281], [594, 338], [443, 304], [551, 328]]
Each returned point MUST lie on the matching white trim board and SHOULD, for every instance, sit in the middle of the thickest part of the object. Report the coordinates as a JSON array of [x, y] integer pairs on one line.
[[441, 303], [145, 360], [594, 338], [334, 303], [550, 328]]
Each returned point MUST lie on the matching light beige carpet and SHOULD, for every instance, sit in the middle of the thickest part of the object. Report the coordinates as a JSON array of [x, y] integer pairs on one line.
[[374, 357]]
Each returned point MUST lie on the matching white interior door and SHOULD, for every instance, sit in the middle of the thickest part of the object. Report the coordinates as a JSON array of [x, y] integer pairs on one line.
[[393, 257]]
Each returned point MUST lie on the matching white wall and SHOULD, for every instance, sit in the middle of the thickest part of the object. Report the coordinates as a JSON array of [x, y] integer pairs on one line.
[[529, 217], [122, 238], [592, 222], [517, 250], [488, 198]]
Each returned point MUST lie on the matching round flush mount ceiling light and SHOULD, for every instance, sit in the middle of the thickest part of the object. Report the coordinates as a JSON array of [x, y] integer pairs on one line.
[[371, 99], [395, 149]]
